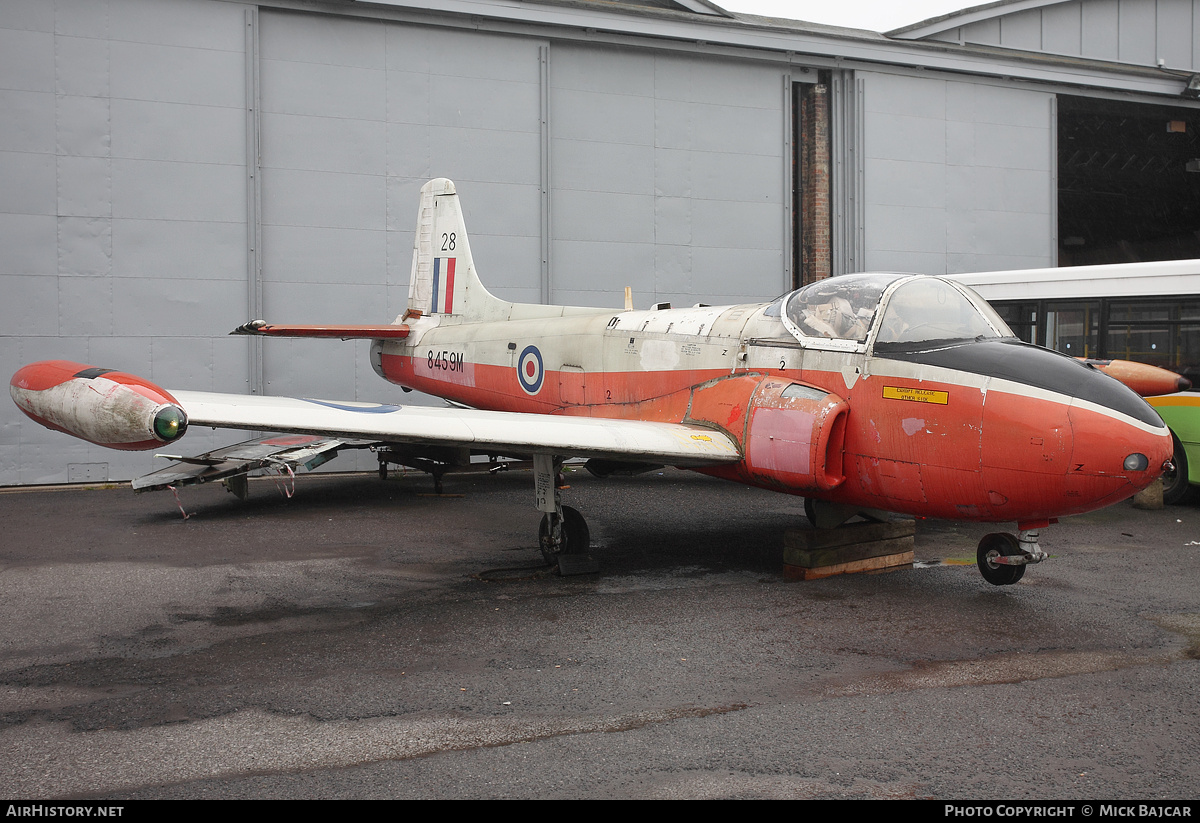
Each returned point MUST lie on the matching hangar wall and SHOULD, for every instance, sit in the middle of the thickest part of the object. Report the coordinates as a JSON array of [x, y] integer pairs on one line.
[[958, 175], [165, 162]]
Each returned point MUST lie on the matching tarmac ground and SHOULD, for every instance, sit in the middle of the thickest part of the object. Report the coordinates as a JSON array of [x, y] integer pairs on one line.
[[369, 639]]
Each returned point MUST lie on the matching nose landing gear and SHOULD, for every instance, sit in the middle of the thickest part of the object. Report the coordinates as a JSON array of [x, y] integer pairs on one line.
[[1002, 557]]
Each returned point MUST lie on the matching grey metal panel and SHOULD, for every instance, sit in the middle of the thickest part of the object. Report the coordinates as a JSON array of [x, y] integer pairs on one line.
[[975, 189], [984, 32], [174, 308], [29, 181], [594, 267], [709, 127], [599, 116], [905, 228], [1137, 36], [85, 305], [631, 167], [735, 177], [1100, 29], [596, 215], [901, 137], [83, 125], [325, 302], [1062, 28], [145, 71], [187, 133], [997, 189], [731, 275], [82, 66], [475, 103], [739, 227], [1003, 105], [332, 144], [1177, 29], [693, 158], [24, 307], [28, 122], [902, 183], [728, 83], [991, 233], [29, 15], [185, 249], [298, 87], [1012, 147], [84, 188], [418, 48], [202, 25], [604, 71], [328, 40], [847, 116], [483, 154], [1022, 30], [906, 95], [166, 190], [85, 246], [27, 244], [296, 197], [313, 254], [26, 59]]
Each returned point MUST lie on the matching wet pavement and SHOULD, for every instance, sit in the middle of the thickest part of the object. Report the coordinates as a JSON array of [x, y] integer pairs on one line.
[[368, 639]]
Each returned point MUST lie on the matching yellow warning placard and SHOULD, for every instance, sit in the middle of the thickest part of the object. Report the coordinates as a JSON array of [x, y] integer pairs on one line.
[[916, 395]]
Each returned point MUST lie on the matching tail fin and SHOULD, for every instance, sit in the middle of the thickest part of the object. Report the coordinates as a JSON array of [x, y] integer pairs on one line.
[[443, 278]]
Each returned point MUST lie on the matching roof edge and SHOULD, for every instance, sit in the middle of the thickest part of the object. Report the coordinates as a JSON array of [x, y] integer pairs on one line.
[[964, 17]]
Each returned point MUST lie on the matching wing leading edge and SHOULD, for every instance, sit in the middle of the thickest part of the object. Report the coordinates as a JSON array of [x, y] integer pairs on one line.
[[511, 433]]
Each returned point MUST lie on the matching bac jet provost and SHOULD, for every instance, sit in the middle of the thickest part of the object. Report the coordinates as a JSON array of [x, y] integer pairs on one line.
[[862, 393]]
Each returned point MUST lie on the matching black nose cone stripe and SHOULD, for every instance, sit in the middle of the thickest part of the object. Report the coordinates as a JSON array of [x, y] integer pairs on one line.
[[1020, 362]]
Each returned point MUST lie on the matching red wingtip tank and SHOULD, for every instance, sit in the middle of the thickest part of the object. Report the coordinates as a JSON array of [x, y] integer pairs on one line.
[[1148, 381], [105, 407]]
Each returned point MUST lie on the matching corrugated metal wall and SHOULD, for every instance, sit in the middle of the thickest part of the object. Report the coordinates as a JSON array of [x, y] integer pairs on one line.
[[1128, 31], [958, 175]]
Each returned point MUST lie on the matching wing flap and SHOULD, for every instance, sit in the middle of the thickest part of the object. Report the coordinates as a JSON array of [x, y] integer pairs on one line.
[[297, 452], [505, 432]]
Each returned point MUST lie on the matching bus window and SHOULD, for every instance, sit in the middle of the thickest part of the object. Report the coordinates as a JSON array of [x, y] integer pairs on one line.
[[1141, 332], [1022, 318], [1073, 328]]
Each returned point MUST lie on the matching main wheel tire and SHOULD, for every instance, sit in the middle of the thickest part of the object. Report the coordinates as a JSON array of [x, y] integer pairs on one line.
[[991, 547], [1176, 488], [576, 537], [810, 511]]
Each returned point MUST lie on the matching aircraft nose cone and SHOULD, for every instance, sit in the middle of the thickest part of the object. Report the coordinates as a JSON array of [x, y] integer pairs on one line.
[[1115, 455]]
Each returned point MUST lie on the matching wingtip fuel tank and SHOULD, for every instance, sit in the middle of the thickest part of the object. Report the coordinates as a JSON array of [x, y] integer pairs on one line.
[[103, 406]]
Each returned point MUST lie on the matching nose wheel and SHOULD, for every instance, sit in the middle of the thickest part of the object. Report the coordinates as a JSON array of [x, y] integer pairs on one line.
[[1002, 557]]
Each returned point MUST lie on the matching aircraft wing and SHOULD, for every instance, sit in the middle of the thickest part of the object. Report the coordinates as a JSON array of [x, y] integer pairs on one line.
[[510, 433]]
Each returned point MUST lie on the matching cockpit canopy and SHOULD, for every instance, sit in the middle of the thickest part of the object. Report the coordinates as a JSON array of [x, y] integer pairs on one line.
[[904, 312]]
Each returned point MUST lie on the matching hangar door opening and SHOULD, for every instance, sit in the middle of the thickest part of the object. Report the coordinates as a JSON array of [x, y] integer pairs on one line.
[[1128, 182]]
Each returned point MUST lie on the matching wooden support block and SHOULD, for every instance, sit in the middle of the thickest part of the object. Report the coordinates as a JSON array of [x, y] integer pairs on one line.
[[870, 564], [814, 548], [810, 554]]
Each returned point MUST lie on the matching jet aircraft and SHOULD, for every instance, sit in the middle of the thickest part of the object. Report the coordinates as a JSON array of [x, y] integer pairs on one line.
[[863, 393]]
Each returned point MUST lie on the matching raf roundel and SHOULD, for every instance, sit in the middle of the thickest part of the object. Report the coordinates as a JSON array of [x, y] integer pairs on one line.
[[529, 370]]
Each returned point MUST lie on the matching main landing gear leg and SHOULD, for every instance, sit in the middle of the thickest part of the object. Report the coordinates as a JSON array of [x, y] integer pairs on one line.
[[563, 531], [1003, 557]]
